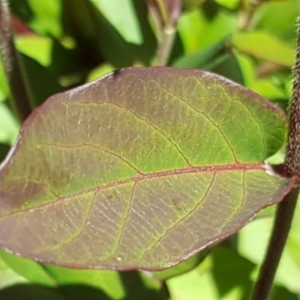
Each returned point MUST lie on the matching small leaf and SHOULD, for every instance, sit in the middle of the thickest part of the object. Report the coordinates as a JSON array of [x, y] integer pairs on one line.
[[140, 169]]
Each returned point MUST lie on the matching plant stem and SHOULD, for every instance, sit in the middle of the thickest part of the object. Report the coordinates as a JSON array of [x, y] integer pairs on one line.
[[19, 92], [292, 161], [285, 210], [281, 227], [166, 41], [165, 18]]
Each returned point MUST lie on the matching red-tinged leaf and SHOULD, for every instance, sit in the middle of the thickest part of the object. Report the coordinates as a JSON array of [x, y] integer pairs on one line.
[[140, 169]]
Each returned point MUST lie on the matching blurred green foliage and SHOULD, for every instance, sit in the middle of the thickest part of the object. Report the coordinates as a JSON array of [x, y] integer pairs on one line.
[[65, 43]]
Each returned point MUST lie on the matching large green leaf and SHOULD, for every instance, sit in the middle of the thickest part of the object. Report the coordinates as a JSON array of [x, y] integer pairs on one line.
[[140, 169]]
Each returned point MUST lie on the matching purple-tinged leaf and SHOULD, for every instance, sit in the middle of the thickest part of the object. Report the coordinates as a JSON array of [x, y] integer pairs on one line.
[[140, 169]]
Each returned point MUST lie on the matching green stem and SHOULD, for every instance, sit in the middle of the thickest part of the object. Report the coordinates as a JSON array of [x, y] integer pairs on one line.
[[281, 228], [166, 29], [165, 44], [19, 92]]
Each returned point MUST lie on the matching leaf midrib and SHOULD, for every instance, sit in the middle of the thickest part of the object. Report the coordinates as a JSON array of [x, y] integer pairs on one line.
[[143, 177]]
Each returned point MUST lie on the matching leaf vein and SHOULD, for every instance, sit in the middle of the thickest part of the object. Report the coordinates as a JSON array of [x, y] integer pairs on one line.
[[182, 219], [145, 121], [208, 118], [124, 222], [96, 147], [183, 171]]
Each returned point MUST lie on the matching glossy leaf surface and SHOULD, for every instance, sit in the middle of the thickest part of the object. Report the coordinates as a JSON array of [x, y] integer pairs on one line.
[[140, 169]]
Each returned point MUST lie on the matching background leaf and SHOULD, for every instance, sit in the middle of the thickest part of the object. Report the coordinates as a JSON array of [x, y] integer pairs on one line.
[[8, 277], [29, 269], [126, 22], [8, 125], [271, 49], [208, 26], [224, 275], [288, 273]]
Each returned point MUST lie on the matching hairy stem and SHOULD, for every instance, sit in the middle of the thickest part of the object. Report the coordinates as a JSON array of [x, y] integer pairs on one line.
[[281, 227], [19, 92], [285, 210], [292, 161]]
